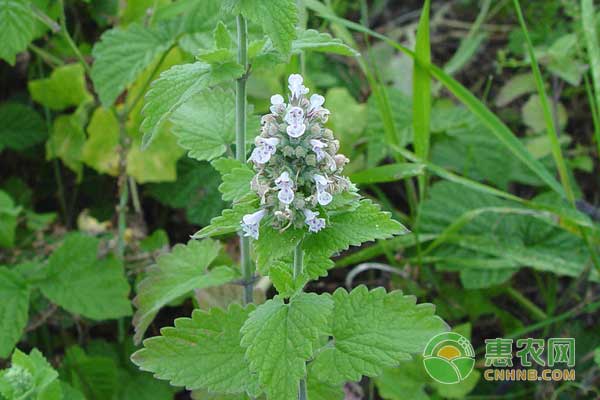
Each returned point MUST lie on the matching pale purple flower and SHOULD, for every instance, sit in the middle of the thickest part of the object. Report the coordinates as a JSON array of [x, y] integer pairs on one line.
[[296, 86], [317, 147], [277, 104], [323, 197], [295, 119], [316, 101], [251, 222], [314, 224], [296, 131], [285, 184], [265, 148]]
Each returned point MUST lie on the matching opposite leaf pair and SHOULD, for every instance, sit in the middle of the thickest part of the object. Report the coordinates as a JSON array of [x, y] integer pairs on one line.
[[270, 348]]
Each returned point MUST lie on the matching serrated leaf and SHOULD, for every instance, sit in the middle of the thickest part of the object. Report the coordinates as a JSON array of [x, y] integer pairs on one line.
[[14, 309], [236, 184], [312, 40], [64, 88], [277, 18], [121, 55], [372, 330], [20, 126], [100, 150], [8, 220], [17, 24], [176, 86], [175, 274], [229, 220], [222, 37], [205, 125], [30, 377], [279, 339], [366, 223], [201, 352], [83, 284]]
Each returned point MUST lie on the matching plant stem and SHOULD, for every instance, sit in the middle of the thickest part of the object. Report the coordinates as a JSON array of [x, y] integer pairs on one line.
[[533, 309], [298, 267], [67, 36], [240, 146], [123, 187]]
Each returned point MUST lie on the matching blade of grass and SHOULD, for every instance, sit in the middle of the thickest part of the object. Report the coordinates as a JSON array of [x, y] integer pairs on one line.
[[469, 45], [546, 110], [551, 130], [593, 50], [422, 93], [569, 216], [487, 117]]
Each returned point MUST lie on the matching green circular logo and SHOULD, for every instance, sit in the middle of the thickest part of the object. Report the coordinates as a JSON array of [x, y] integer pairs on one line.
[[449, 358]]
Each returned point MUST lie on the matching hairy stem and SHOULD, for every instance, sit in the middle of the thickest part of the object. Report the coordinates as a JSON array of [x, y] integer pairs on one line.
[[298, 267], [240, 147]]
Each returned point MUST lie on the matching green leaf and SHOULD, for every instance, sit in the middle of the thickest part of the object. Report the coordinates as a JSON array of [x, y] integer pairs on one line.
[[312, 40], [506, 233], [156, 162], [121, 55], [222, 37], [422, 92], [366, 223], [279, 339], [406, 381], [176, 274], [100, 151], [14, 309], [30, 376], [8, 220], [278, 19], [229, 220], [318, 390], [17, 24], [64, 88], [236, 184], [20, 126], [201, 352], [205, 125], [83, 284], [93, 376], [176, 86], [514, 88], [66, 142], [372, 330], [387, 173]]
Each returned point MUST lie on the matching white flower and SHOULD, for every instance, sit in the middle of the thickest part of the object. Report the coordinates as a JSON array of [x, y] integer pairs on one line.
[[314, 224], [265, 148], [277, 104], [296, 131], [317, 147], [316, 101], [296, 87], [320, 181], [323, 197], [295, 116], [285, 184], [251, 222]]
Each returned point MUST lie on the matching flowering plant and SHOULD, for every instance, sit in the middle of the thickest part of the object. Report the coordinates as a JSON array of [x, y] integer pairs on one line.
[[298, 170]]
